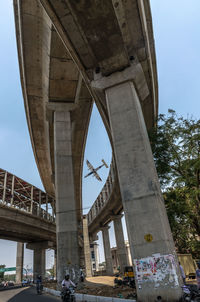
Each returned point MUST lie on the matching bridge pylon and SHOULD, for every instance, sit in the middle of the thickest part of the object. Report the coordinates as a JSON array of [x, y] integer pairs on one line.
[[151, 244]]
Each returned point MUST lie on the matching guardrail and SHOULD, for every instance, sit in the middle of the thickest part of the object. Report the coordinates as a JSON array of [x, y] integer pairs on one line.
[[18, 194], [39, 212], [103, 197]]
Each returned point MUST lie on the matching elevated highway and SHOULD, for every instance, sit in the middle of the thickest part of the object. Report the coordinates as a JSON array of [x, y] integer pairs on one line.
[[72, 53], [22, 213], [27, 215]]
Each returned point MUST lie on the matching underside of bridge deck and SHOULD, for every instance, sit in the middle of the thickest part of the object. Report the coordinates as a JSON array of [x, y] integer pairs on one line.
[[74, 52]]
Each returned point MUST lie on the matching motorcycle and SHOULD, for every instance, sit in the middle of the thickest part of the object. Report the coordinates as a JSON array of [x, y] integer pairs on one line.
[[68, 294], [39, 288], [190, 293]]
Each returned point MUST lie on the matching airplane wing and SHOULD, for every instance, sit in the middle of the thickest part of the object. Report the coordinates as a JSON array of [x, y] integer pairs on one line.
[[89, 165], [88, 174], [97, 176], [105, 164]]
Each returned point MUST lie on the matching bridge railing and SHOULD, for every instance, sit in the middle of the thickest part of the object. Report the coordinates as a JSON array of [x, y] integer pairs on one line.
[[19, 194], [103, 196], [37, 211]]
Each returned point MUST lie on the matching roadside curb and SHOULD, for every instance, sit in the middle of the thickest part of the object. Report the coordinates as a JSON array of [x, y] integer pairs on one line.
[[88, 298], [9, 287]]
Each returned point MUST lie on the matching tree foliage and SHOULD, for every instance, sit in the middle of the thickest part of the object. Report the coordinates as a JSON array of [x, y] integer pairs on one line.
[[176, 149], [2, 273]]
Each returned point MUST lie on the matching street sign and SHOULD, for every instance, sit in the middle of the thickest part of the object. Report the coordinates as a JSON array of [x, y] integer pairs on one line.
[[7, 269]]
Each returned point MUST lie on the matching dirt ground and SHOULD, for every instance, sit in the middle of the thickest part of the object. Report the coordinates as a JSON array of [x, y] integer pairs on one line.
[[105, 286], [102, 286]]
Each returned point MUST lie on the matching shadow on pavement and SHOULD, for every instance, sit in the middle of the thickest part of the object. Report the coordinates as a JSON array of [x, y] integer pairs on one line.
[[30, 295]]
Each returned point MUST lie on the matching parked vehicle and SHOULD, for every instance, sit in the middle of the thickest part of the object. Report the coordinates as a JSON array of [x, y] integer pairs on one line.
[[189, 265], [127, 278], [24, 282], [190, 293]]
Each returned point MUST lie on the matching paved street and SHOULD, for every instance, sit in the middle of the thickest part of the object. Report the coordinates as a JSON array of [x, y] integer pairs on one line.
[[25, 295]]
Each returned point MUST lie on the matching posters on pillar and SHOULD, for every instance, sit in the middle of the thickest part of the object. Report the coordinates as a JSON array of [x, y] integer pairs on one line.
[[157, 269]]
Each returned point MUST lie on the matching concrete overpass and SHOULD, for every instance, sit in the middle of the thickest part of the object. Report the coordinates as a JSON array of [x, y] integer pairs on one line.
[[27, 216], [70, 54]]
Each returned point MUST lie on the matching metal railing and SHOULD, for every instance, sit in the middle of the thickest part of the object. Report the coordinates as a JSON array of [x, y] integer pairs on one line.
[[18, 194], [36, 211], [103, 197]]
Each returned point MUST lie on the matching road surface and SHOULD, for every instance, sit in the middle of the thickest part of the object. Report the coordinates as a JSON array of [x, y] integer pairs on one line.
[[25, 295]]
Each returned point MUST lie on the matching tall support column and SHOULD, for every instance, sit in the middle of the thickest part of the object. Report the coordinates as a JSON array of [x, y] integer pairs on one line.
[[96, 255], [149, 234], [107, 251], [119, 236], [87, 252], [66, 219], [19, 262], [39, 263], [55, 263]]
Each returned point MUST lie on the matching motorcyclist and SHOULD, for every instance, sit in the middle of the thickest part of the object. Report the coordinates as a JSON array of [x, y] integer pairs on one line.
[[67, 282], [39, 284], [66, 290]]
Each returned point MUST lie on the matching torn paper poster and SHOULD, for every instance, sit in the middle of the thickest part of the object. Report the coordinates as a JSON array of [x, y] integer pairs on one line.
[[157, 269]]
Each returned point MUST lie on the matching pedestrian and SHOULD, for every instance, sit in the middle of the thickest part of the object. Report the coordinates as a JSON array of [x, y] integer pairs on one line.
[[82, 276], [182, 273], [198, 275]]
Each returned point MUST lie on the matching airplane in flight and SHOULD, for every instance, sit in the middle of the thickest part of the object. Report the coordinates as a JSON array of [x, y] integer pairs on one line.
[[94, 171]]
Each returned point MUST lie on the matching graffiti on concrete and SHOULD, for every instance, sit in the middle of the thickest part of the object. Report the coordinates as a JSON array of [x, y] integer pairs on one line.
[[157, 269]]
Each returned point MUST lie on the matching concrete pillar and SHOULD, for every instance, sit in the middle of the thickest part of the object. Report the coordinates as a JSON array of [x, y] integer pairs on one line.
[[119, 236], [149, 233], [19, 262], [39, 263], [96, 255], [87, 252], [66, 219], [107, 251], [55, 264]]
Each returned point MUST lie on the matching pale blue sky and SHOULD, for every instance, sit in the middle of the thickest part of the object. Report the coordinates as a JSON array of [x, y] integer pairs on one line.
[[176, 30]]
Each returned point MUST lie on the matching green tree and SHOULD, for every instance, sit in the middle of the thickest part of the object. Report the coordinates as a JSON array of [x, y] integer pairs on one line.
[[176, 149], [2, 273]]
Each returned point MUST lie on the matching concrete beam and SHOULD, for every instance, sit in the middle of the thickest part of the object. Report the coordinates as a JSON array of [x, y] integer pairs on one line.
[[132, 73], [40, 245]]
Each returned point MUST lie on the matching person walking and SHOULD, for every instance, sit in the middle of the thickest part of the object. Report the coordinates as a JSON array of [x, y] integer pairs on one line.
[[182, 273], [198, 275]]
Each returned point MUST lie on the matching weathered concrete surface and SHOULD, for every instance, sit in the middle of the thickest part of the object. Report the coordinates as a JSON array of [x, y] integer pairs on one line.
[[21, 226], [87, 253], [113, 37], [142, 200], [119, 236], [107, 251], [38, 263], [19, 262], [49, 75], [68, 257], [48, 61]]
